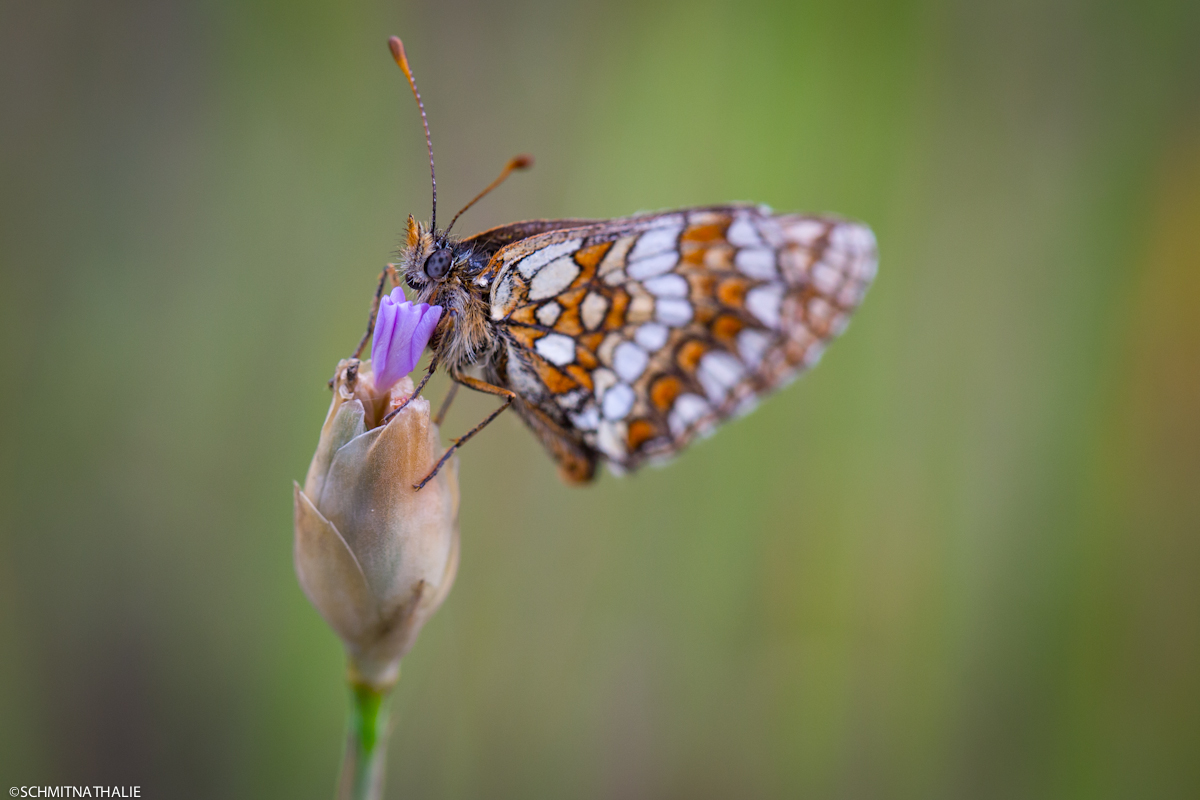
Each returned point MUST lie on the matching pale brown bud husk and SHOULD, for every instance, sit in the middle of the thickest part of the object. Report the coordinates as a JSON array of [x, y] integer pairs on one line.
[[375, 556]]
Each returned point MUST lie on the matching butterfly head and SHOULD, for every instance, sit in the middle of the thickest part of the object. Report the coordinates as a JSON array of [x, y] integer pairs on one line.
[[431, 261], [442, 271]]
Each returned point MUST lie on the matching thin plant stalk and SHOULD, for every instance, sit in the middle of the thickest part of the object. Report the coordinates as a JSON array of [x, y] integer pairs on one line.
[[366, 745]]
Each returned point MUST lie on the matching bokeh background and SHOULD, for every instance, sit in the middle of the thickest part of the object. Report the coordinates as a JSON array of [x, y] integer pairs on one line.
[[960, 559]]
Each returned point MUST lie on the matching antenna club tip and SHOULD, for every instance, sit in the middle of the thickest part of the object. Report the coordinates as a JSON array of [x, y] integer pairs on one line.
[[397, 48], [523, 161]]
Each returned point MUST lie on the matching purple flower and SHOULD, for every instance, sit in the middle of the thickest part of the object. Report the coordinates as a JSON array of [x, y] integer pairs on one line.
[[401, 332]]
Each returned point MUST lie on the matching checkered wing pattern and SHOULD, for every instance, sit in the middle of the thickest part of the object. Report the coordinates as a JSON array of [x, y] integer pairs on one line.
[[632, 336]]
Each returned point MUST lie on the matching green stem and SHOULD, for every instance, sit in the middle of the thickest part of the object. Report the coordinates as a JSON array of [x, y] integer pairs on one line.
[[366, 745]]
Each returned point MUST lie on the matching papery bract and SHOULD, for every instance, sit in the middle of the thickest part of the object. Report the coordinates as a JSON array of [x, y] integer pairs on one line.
[[374, 555]]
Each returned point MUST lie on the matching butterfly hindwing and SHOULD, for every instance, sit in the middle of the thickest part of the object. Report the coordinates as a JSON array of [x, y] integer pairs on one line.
[[629, 337]]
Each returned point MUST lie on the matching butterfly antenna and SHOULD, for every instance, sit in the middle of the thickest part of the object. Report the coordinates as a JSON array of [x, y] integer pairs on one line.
[[397, 48], [517, 162]]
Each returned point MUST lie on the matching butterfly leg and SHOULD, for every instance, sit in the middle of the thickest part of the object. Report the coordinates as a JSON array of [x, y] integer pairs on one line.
[[479, 386], [441, 414], [388, 271], [433, 362]]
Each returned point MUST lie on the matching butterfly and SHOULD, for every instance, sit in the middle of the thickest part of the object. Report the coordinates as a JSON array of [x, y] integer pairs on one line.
[[622, 340]]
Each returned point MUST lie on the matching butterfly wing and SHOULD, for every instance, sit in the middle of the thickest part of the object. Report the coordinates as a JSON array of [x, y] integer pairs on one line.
[[627, 338], [489, 242]]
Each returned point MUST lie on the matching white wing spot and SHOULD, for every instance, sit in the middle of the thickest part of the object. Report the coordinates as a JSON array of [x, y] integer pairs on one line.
[[556, 348], [629, 361], [794, 260], [670, 285], [825, 279], [553, 278], [592, 310], [763, 302], [641, 309], [602, 379], [853, 238], [571, 399], [717, 256], [806, 232], [657, 240], [673, 311], [610, 440], [521, 378], [605, 351], [502, 297], [687, 410], [819, 312], [654, 265], [705, 217], [743, 233], [724, 367], [651, 336], [548, 314], [588, 419], [752, 345], [757, 263], [715, 391], [540, 258], [618, 401], [614, 260], [721, 369]]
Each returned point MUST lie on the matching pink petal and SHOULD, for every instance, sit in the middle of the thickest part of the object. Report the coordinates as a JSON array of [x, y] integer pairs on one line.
[[424, 330], [385, 323]]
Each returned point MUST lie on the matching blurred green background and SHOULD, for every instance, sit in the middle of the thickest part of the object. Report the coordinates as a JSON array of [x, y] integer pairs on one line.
[[960, 559]]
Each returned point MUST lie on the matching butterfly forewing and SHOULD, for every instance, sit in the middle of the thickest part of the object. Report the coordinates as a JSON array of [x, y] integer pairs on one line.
[[632, 336], [493, 239]]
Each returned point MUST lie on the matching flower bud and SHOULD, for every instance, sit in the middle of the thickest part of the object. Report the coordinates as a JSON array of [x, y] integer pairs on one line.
[[375, 556]]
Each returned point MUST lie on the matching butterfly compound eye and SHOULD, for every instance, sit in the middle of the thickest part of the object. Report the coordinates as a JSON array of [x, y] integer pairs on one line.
[[438, 264]]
